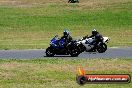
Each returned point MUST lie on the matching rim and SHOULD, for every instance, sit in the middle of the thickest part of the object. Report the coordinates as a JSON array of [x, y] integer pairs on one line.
[[74, 51]]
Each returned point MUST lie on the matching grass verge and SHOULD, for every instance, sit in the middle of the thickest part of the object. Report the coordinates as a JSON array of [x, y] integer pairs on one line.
[[59, 73], [23, 27]]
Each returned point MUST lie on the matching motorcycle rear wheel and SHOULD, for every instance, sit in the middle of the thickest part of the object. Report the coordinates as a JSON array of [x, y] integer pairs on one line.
[[74, 52]]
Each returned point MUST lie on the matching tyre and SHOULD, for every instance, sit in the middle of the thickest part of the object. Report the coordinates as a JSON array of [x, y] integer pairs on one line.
[[49, 52], [81, 80], [102, 48], [74, 52]]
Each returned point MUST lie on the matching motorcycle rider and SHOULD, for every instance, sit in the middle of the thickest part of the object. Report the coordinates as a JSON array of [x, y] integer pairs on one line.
[[97, 37], [66, 36]]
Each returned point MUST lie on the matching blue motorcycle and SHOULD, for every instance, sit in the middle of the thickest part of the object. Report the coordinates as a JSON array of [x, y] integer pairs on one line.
[[59, 47]]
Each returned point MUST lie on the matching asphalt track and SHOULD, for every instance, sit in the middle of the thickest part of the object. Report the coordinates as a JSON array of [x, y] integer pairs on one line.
[[34, 54]]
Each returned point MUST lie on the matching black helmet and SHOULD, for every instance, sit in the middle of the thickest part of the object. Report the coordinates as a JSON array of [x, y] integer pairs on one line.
[[94, 32], [66, 33]]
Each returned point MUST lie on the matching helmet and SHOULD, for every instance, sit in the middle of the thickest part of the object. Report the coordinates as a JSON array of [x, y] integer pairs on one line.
[[94, 32], [66, 33]]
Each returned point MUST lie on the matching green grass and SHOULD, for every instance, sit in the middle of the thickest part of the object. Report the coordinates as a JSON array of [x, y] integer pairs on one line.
[[32, 27], [59, 73]]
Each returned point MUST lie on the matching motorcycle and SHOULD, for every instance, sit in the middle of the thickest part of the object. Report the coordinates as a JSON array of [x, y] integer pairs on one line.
[[84, 44], [58, 47]]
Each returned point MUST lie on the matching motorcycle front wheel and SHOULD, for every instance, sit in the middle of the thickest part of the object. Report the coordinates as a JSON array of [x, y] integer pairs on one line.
[[102, 48], [49, 52]]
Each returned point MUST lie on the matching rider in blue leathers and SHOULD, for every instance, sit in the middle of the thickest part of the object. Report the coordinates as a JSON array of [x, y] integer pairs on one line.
[[66, 36]]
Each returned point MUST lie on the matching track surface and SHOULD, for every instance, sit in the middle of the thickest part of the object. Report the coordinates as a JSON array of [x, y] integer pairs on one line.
[[32, 54]]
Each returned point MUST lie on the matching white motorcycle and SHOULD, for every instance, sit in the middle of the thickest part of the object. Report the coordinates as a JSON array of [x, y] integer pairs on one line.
[[84, 44]]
